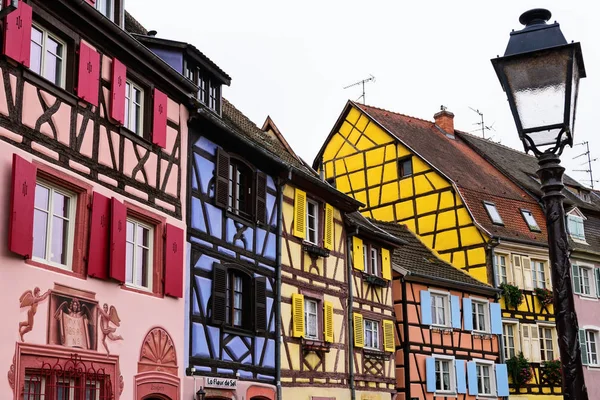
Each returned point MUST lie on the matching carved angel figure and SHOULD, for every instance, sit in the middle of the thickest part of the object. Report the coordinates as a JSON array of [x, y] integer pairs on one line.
[[74, 319], [30, 299], [106, 317]]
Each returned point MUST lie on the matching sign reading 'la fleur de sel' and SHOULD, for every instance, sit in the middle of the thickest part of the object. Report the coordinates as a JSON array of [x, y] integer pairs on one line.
[[220, 383]]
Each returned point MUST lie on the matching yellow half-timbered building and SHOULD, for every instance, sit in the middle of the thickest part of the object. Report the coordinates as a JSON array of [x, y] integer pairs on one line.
[[423, 175]]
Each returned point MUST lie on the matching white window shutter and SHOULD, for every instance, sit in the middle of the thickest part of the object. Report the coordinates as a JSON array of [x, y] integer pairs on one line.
[[526, 340], [536, 350], [527, 276], [548, 272], [518, 271]]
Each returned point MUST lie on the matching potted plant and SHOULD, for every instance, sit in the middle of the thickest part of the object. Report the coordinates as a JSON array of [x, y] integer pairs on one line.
[[513, 296], [519, 370], [552, 371], [544, 296]]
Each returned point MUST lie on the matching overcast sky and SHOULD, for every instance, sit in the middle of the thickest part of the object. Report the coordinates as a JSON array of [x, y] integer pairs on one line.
[[292, 60]]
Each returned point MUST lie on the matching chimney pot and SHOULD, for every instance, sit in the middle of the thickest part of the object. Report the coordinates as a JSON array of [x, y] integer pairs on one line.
[[445, 121]]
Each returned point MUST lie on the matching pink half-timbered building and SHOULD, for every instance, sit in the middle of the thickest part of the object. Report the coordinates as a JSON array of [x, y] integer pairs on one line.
[[93, 130]]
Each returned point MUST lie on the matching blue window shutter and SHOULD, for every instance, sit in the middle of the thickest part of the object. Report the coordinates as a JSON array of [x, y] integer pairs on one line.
[[430, 367], [496, 318], [461, 376], [576, 279], [502, 380], [468, 314], [426, 307], [583, 344], [455, 306], [472, 376]]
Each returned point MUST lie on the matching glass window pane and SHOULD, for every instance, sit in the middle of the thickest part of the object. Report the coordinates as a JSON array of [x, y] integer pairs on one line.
[[53, 47], [40, 233], [42, 197], [130, 231], [129, 259], [60, 205], [60, 235], [144, 267], [35, 62]]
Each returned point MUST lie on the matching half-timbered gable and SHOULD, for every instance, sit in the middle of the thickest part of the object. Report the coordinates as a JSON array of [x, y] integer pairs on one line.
[[93, 129], [373, 345], [448, 327]]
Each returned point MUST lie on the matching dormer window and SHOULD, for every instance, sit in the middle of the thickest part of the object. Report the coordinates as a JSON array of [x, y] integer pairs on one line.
[[493, 213], [107, 8], [575, 226], [585, 196], [531, 222], [209, 91]]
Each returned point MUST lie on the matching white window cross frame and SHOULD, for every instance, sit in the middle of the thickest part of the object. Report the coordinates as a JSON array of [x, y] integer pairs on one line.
[[133, 272], [440, 309]]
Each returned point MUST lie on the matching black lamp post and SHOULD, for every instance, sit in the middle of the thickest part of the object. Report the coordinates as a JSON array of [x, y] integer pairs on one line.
[[200, 394], [540, 74]]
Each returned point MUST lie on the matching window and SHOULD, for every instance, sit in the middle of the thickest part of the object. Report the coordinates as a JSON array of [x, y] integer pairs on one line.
[[188, 72], [531, 222], [510, 349], [440, 309], [539, 274], [592, 351], [546, 335], [501, 269], [444, 376], [582, 276], [213, 96], [480, 316], [485, 380], [106, 7], [374, 264], [48, 56], [493, 213], [201, 89], [405, 167], [311, 318], [237, 292], [240, 188], [575, 227], [371, 334], [312, 222], [139, 254], [134, 108], [45, 385], [54, 222]]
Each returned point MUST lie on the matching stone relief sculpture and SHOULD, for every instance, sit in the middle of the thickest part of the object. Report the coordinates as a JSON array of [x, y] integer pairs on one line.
[[74, 320], [30, 299], [108, 315]]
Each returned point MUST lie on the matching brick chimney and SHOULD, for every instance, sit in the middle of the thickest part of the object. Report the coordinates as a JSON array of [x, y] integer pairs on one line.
[[445, 121]]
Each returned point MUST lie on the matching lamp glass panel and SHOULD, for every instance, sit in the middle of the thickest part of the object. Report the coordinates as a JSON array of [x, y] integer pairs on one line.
[[574, 93], [537, 84]]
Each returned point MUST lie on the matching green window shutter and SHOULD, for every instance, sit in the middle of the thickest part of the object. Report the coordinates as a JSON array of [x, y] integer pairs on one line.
[[576, 279], [583, 343], [597, 281]]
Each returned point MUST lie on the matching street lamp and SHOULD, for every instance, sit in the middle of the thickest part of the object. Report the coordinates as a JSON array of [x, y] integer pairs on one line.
[[540, 74], [200, 394]]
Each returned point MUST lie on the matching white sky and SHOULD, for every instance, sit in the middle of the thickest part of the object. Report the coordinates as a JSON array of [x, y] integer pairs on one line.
[[292, 60]]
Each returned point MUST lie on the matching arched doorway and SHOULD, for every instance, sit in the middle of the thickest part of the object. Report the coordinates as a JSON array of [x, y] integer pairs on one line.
[[157, 368]]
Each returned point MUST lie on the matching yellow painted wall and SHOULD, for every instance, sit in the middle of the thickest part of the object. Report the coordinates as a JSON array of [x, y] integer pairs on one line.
[[306, 393], [363, 158]]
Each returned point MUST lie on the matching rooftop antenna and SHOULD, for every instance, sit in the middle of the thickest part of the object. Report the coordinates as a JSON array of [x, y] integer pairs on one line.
[[588, 162], [371, 78], [482, 125]]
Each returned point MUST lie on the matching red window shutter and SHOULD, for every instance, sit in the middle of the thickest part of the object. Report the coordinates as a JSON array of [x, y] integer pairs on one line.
[[174, 248], [118, 79], [88, 84], [17, 34], [118, 239], [91, 2], [99, 236], [20, 225], [159, 119]]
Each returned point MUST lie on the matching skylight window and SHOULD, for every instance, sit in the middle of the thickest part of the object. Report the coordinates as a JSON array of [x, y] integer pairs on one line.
[[493, 213], [533, 225]]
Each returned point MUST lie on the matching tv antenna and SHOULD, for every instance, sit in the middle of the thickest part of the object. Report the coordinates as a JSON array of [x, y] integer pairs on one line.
[[371, 78], [588, 162], [482, 125]]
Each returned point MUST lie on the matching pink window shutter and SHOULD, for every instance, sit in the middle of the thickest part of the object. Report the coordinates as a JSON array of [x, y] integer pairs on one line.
[[20, 226], [174, 260], [17, 34], [88, 84], [159, 119], [118, 238], [118, 86], [99, 237]]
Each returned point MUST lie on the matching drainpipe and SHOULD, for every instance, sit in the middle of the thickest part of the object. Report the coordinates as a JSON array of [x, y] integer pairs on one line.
[[406, 341], [350, 321], [281, 183]]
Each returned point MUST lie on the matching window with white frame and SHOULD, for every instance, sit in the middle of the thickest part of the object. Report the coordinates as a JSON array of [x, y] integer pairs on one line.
[[445, 381], [53, 225], [501, 268], [213, 96], [546, 335], [374, 261], [440, 309], [486, 382], [575, 227], [530, 219], [311, 318], [538, 274], [371, 334], [106, 7], [583, 277], [480, 316], [510, 345], [48, 55], [134, 108], [493, 213], [312, 222], [139, 254], [592, 347]]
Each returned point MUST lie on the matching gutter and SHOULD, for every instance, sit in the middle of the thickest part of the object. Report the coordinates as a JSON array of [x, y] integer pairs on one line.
[[449, 282]]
